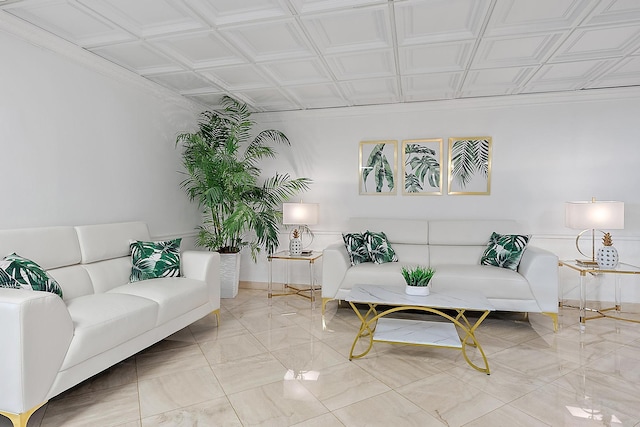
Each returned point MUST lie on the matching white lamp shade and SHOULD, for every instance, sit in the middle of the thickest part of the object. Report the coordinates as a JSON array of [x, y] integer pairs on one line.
[[299, 213], [594, 215]]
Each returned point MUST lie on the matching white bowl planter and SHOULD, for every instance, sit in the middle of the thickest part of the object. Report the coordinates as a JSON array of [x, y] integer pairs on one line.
[[416, 290]]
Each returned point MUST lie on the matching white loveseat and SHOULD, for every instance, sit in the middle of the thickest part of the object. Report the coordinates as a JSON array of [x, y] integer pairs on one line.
[[453, 248], [50, 344]]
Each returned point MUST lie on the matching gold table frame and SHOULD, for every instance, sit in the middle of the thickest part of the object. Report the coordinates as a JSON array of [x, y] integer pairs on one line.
[[369, 321], [621, 270]]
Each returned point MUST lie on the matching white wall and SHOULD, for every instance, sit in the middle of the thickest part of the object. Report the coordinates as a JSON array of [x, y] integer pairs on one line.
[[547, 149], [83, 143]]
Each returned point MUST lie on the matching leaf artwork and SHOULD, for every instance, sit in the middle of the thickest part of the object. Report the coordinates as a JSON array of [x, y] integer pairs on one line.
[[468, 157], [381, 168], [422, 168]]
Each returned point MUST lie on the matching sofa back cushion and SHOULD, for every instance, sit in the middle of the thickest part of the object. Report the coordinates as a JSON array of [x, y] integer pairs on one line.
[[74, 281], [463, 241], [108, 241], [411, 231], [49, 247], [109, 274]]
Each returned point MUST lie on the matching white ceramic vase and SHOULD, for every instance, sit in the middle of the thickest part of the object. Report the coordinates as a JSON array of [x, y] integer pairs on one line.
[[295, 246], [229, 275], [416, 290], [607, 257]]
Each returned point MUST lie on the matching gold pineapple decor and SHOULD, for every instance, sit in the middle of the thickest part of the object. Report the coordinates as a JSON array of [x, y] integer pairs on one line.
[[607, 255]]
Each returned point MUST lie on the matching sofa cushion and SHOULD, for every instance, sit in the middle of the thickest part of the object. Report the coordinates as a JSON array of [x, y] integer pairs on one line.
[[175, 296], [151, 260], [103, 321], [107, 241], [505, 250], [379, 248], [374, 274], [356, 248], [20, 272], [490, 281]]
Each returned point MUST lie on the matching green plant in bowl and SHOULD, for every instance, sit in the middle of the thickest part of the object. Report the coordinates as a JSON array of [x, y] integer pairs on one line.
[[417, 276]]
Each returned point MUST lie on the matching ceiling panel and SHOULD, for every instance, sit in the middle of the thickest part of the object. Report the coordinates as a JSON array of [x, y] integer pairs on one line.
[[139, 57], [297, 72], [350, 30], [420, 21], [301, 54], [515, 51], [237, 77], [513, 17], [225, 12], [71, 22], [362, 65], [146, 18], [198, 50], [435, 57], [269, 41]]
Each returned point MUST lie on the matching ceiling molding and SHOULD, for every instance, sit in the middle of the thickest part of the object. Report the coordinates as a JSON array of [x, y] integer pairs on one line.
[[493, 102]]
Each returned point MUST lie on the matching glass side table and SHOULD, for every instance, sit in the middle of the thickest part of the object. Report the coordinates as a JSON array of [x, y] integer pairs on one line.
[[311, 258], [619, 271]]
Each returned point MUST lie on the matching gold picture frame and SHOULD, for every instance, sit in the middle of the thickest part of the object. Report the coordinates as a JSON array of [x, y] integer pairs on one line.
[[378, 173], [470, 165], [422, 167]]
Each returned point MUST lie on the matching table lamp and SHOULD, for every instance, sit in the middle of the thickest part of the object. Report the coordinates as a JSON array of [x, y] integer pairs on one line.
[[302, 215], [592, 216]]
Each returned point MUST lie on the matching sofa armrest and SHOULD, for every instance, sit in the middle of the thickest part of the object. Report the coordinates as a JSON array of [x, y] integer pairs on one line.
[[35, 336], [540, 268], [335, 263], [205, 266]]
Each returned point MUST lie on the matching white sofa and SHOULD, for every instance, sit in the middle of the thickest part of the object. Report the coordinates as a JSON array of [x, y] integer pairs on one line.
[[50, 344], [453, 248]]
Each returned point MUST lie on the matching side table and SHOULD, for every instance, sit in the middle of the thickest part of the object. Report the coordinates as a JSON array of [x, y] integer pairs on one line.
[[311, 258], [619, 271]]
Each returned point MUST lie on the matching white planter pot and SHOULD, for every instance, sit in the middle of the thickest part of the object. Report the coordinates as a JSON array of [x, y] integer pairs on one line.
[[229, 275], [416, 290]]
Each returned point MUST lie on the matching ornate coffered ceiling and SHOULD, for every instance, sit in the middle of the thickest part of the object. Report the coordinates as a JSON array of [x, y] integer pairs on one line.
[[301, 54]]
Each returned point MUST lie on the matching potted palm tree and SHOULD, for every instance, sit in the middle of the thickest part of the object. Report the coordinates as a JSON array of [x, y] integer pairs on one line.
[[240, 208]]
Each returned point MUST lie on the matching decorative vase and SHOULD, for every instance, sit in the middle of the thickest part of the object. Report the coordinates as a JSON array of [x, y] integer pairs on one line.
[[607, 255], [295, 244], [416, 290], [229, 275]]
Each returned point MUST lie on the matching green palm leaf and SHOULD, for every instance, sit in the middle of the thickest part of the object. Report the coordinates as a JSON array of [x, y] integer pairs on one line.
[[469, 157]]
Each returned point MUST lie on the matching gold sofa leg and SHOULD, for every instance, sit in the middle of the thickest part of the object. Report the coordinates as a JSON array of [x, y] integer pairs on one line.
[[324, 304], [554, 317], [21, 420], [217, 313]]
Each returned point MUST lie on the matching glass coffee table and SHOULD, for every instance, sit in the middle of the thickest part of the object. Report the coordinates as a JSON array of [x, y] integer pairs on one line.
[[376, 327]]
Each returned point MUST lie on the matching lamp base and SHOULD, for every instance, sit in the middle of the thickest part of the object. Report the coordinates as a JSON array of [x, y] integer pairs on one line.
[[587, 263]]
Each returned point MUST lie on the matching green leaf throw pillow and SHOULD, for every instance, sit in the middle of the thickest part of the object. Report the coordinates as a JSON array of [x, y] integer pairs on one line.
[[505, 250], [356, 248], [22, 273], [151, 260], [379, 248]]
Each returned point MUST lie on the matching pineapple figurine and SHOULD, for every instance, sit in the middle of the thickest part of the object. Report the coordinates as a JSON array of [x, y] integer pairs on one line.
[[295, 243], [607, 255]]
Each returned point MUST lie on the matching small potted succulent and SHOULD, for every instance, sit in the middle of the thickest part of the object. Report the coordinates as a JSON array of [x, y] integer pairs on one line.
[[417, 279]]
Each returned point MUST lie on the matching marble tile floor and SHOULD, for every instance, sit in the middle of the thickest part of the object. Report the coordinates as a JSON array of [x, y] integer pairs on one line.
[[273, 364]]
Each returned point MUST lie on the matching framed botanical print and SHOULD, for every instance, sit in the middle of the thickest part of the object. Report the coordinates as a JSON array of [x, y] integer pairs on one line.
[[378, 167], [470, 165], [421, 167]]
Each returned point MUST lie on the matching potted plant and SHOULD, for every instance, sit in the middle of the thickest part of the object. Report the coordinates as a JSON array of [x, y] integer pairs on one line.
[[417, 279], [240, 208]]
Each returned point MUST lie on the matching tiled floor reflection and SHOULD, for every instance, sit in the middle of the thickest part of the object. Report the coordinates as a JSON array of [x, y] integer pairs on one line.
[[273, 364]]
